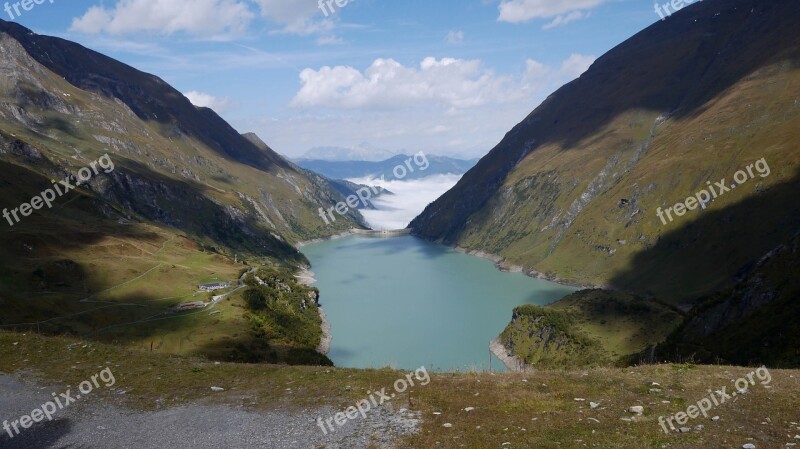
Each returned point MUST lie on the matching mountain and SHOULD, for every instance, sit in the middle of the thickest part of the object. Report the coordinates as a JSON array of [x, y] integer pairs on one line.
[[363, 152], [184, 200], [345, 188], [438, 165], [573, 191], [72, 102], [589, 327]]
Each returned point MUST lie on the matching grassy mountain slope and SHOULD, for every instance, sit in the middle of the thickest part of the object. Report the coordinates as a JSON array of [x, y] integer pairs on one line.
[[572, 191], [147, 96], [188, 201], [72, 104], [589, 327], [284, 320]]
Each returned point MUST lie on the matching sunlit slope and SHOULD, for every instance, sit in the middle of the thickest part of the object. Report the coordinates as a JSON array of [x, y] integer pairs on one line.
[[572, 191], [173, 156]]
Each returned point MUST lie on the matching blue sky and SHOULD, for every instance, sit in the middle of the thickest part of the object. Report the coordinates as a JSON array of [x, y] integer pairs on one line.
[[442, 76]]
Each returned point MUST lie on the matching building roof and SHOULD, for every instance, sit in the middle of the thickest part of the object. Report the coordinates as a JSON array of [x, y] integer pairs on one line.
[[215, 284]]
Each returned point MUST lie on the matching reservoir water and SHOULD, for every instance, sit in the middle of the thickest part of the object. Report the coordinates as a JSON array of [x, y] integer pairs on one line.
[[404, 302]]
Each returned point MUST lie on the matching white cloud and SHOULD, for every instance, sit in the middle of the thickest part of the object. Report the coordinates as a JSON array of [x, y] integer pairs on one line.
[[517, 11], [438, 129], [575, 65], [454, 37], [454, 84], [409, 200], [307, 27], [565, 19], [208, 18], [412, 124], [539, 77], [387, 84], [330, 40], [300, 17], [205, 100]]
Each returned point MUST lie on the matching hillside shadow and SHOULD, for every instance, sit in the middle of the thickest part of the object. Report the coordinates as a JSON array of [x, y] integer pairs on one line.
[[147, 196], [38, 282], [44, 435], [178, 204], [715, 250], [254, 349]]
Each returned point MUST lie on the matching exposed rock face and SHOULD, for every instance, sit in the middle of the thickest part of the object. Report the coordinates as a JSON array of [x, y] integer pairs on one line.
[[506, 356], [314, 296], [325, 342]]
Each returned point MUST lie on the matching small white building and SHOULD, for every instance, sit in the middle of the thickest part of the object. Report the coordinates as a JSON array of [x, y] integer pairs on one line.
[[214, 286]]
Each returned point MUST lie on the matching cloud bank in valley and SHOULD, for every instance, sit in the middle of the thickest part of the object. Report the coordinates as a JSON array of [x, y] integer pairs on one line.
[[409, 200]]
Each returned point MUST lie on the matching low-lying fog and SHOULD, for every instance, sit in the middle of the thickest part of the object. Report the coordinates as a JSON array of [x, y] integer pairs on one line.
[[409, 200]]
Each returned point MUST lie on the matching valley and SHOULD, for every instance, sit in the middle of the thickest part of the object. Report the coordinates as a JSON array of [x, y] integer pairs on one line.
[[268, 225]]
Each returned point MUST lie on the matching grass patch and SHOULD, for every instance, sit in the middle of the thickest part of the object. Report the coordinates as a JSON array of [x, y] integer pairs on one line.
[[525, 410]]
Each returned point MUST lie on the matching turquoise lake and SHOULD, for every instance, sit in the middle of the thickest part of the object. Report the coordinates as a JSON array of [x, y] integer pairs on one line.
[[405, 303]]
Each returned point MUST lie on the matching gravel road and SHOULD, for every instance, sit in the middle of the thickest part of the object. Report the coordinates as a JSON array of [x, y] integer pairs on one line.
[[92, 424]]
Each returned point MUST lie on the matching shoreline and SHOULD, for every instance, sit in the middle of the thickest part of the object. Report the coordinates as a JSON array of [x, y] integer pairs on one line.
[[501, 264], [348, 233], [324, 346], [499, 261], [307, 277], [356, 231], [512, 363]]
